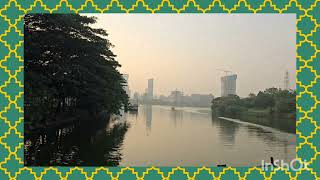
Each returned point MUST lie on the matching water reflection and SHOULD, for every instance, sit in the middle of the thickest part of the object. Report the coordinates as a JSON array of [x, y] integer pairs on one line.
[[227, 130], [192, 137], [275, 121], [184, 136], [76, 146], [273, 139], [148, 113], [177, 117]]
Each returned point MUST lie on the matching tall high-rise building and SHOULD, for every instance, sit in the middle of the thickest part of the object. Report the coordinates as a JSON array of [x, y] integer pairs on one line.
[[228, 85], [150, 89]]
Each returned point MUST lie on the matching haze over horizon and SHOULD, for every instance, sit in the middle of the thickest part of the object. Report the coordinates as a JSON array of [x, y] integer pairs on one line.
[[183, 51]]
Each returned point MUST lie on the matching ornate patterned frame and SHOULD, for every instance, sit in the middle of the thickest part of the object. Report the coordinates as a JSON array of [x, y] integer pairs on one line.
[[11, 86]]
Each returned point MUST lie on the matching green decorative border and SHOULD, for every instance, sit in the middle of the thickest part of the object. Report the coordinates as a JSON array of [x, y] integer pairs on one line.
[[11, 86]]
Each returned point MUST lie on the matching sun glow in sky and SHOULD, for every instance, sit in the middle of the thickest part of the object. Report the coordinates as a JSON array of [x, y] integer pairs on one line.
[[184, 51]]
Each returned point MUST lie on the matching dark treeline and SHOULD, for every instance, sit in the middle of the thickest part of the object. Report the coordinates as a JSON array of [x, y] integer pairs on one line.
[[272, 107], [70, 70], [271, 100]]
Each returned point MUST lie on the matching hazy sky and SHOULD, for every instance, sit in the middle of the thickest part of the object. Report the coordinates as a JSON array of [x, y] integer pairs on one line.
[[184, 51]]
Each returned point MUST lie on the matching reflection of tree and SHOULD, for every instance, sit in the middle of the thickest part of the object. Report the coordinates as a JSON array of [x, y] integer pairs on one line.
[[227, 130], [109, 145], [275, 121], [270, 138], [265, 136], [213, 119], [283, 123], [77, 146]]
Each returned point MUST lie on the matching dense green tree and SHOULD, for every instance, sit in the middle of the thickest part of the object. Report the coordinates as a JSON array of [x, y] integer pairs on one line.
[[69, 66], [227, 106], [264, 100], [269, 101], [286, 101]]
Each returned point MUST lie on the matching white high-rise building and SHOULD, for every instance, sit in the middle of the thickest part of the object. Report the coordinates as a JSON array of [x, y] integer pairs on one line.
[[228, 85], [150, 89]]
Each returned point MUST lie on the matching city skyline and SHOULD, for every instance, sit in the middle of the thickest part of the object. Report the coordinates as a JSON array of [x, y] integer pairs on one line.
[[78, 77], [184, 52]]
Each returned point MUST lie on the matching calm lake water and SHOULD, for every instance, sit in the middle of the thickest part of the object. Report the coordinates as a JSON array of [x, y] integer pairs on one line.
[[159, 136]]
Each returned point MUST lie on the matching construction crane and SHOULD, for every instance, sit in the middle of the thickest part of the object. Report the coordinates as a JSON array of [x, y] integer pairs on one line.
[[226, 71]]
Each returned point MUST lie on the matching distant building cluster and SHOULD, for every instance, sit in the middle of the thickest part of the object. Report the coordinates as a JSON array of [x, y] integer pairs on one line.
[[178, 98], [175, 98]]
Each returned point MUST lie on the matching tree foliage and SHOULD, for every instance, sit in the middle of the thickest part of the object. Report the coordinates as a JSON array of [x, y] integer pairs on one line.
[[69, 66], [230, 105], [273, 99]]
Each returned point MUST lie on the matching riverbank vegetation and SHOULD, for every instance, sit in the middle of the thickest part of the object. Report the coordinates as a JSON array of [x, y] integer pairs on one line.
[[264, 108], [70, 71]]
